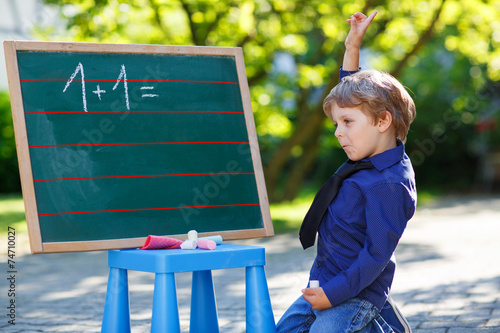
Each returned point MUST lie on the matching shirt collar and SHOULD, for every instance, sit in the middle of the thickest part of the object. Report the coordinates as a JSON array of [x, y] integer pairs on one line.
[[389, 157]]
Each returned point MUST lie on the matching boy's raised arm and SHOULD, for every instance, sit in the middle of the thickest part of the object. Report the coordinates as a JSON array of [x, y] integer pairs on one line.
[[359, 24]]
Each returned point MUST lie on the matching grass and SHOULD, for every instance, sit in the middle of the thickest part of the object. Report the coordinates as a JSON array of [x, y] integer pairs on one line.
[[286, 216], [12, 213]]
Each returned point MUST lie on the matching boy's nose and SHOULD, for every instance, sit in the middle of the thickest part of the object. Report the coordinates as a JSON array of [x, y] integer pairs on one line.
[[338, 132]]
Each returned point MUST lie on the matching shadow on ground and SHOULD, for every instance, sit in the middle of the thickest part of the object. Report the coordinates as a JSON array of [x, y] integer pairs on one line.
[[66, 292]]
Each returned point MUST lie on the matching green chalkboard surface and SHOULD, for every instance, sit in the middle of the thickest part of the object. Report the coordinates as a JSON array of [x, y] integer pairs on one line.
[[118, 142]]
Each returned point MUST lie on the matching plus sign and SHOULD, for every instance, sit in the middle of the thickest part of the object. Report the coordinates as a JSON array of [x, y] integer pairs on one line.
[[99, 91]]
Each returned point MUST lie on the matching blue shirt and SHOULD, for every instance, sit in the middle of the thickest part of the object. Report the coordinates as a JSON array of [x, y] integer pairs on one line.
[[362, 227]]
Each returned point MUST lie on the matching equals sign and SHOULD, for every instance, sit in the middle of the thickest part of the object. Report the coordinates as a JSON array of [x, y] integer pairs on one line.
[[146, 88]]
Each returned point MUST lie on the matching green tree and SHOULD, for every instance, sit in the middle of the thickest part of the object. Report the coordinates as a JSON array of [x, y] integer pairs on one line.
[[293, 50], [9, 172]]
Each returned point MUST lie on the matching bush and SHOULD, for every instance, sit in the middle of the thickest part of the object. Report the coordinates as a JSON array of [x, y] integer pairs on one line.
[[9, 169]]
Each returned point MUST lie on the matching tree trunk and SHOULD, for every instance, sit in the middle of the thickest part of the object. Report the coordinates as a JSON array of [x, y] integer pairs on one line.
[[424, 38], [302, 166], [276, 167], [309, 125]]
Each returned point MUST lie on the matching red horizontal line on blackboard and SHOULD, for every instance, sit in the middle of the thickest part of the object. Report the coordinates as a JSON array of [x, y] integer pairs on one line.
[[108, 80], [139, 143], [141, 209], [139, 176], [145, 111]]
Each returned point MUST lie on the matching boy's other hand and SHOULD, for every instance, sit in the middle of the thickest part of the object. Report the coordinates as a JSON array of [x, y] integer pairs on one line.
[[317, 298], [359, 23]]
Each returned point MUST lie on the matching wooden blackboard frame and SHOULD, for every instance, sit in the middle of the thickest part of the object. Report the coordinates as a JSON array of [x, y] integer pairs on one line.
[[36, 242]]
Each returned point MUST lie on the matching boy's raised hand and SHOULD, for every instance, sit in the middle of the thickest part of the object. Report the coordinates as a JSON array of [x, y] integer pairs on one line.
[[359, 24]]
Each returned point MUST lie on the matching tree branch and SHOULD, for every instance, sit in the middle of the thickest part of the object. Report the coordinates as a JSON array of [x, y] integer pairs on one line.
[[421, 41], [157, 18], [192, 27]]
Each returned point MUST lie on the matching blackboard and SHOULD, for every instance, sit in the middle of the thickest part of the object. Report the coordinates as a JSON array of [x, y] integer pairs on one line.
[[117, 142]]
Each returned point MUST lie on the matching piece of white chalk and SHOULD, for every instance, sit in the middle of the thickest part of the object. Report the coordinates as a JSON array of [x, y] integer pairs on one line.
[[314, 284], [206, 244], [189, 245], [193, 235], [217, 239]]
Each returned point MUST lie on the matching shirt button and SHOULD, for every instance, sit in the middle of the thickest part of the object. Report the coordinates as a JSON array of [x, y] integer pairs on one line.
[[318, 264]]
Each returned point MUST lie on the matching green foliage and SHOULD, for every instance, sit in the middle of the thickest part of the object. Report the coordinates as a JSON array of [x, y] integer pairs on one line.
[[453, 97], [445, 51], [9, 174]]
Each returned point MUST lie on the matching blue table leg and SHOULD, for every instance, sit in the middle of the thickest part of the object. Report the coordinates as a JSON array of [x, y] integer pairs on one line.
[[203, 305], [116, 316], [165, 317], [259, 316]]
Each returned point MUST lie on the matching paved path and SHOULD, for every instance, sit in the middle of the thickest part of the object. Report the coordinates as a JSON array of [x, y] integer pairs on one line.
[[448, 279]]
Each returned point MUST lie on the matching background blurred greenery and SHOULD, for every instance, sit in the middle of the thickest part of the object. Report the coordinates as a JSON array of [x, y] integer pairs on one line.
[[9, 172], [445, 52], [12, 213]]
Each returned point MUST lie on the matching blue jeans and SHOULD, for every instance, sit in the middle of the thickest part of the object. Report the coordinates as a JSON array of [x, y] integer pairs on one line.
[[354, 315]]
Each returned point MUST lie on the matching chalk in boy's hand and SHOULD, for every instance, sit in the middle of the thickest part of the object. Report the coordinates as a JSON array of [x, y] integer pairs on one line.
[[316, 296], [314, 284]]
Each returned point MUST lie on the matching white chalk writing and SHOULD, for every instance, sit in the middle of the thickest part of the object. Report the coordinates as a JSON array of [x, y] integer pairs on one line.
[[99, 91], [148, 88], [122, 77], [79, 68]]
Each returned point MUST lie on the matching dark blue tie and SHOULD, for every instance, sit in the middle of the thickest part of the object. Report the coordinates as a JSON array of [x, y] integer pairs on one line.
[[324, 198]]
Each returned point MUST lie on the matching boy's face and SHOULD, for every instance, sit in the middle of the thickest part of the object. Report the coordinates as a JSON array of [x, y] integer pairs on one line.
[[357, 134]]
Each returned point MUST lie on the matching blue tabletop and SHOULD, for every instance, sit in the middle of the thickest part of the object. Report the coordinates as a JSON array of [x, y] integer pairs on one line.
[[176, 260]]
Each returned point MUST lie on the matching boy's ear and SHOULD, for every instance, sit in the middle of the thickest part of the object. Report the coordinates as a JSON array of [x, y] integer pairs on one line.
[[329, 112], [385, 123]]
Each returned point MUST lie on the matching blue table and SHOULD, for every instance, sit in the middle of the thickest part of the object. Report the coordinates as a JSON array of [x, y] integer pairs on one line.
[[164, 263]]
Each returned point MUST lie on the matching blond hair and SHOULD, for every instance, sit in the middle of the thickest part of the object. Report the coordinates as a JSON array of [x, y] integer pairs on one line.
[[375, 93]]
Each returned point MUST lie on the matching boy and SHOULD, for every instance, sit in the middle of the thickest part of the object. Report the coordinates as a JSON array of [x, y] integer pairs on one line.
[[361, 227]]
